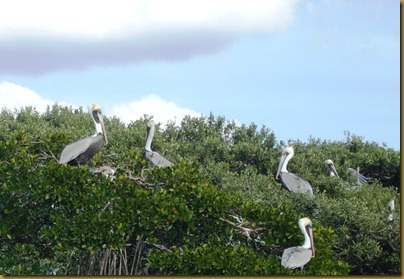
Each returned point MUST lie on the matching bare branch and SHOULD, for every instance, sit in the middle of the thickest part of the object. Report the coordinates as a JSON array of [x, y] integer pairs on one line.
[[162, 247], [45, 155], [242, 230], [140, 180]]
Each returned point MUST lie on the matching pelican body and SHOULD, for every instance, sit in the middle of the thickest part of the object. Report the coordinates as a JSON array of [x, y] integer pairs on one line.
[[292, 182], [155, 158], [81, 151], [359, 178], [298, 256]]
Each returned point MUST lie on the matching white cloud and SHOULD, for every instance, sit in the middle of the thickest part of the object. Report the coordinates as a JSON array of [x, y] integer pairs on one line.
[[13, 96], [151, 105], [45, 35]]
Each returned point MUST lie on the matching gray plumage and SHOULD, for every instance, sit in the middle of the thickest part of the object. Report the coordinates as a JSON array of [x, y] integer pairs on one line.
[[292, 182], [295, 184], [155, 158], [299, 256], [81, 151], [359, 178], [296, 257]]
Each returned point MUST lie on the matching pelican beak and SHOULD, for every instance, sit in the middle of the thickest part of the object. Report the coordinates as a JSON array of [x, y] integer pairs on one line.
[[334, 170], [313, 250], [280, 165], [104, 132]]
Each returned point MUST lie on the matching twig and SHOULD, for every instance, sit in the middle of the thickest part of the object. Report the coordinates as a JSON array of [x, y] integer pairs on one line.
[[243, 230], [141, 181], [162, 247], [44, 154]]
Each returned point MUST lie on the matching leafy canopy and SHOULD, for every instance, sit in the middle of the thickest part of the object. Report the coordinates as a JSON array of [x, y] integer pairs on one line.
[[217, 211]]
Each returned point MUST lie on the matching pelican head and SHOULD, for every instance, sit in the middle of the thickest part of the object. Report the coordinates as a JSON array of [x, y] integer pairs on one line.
[[305, 225], [333, 170], [287, 154], [96, 113], [150, 123]]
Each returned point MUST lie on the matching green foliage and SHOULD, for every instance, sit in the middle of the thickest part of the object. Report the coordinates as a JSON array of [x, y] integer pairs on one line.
[[217, 211], [214, 260]]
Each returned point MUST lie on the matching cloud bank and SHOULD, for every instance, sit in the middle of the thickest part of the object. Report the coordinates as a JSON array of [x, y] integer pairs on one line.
[[38, 37], [151, 105], [14, 96]]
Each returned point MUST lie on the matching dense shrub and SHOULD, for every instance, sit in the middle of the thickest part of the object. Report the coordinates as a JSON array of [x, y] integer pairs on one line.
[[217, 211]]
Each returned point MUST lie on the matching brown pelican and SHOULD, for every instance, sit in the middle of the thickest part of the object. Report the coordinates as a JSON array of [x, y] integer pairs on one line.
[[79, 152], [291, 181], [155, 158], [298, 256], [359, 178]]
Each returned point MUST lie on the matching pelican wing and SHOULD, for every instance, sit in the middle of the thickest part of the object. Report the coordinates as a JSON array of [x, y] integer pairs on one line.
[[295, 184], [295, 257], [84, 148], [157, 159], [360, 178]]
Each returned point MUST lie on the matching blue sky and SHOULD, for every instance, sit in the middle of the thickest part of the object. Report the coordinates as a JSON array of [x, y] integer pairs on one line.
[[301, 68]]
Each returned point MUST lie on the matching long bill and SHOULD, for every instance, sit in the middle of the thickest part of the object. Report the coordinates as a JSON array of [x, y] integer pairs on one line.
[[334, 170], [104, 132], [310, 233], [283, 158]]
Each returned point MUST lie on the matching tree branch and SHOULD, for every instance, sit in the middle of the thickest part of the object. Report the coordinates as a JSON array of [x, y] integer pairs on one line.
[[242, 230]]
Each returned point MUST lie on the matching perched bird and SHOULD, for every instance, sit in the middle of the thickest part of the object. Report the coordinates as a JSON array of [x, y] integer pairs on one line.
[[155, 158], [359, 178], [81, 151], [291, 181], [107, 171], [298, 256]]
